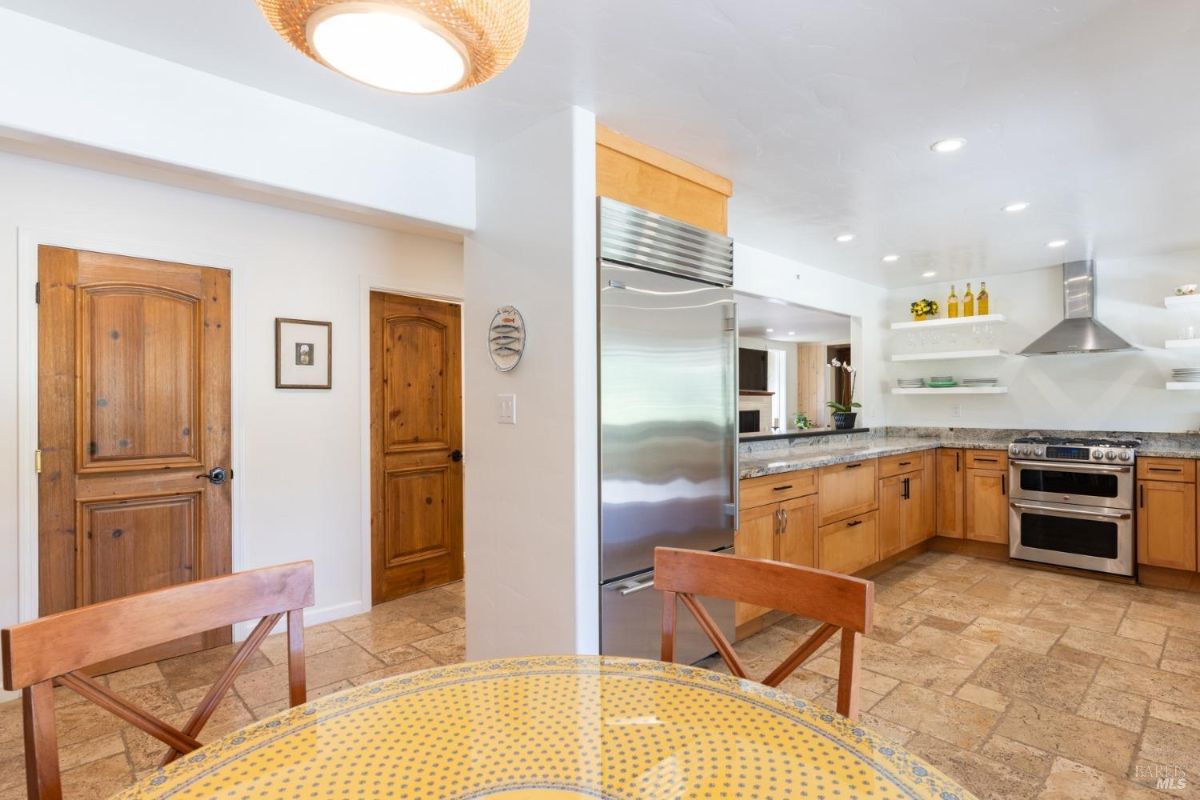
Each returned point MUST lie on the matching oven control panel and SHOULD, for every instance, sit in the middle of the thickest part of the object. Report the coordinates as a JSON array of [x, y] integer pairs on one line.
[[1112, 454]]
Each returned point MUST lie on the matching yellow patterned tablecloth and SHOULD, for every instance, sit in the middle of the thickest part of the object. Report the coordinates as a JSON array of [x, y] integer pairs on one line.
[[553, 728]]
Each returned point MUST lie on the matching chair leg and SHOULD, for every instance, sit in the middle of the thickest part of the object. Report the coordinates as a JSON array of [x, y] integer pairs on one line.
[[297, 691], [847, 696], [668, 626], [43, 780]]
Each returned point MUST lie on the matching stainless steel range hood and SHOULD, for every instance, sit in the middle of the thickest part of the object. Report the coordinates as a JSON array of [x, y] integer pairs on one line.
[[1079, 332]]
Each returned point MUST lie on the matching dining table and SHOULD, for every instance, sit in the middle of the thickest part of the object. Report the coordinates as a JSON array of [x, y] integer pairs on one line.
[[553, 728]]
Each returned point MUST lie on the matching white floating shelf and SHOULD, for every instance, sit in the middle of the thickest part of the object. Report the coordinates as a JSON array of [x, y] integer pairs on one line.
[[943, 322], [1179, 386], [1181, 300], [950, 355], [963, 390], [1183, 344]]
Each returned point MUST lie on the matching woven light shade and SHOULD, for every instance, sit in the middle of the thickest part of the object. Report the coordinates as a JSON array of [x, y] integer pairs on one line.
[[487, 34]]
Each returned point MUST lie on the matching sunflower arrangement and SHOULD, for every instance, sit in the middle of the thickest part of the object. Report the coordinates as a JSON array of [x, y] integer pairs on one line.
[[923, 308]]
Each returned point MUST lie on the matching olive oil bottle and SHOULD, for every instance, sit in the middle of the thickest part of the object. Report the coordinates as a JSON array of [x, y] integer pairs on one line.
[[981, 301], [968, 303], [952, 304]]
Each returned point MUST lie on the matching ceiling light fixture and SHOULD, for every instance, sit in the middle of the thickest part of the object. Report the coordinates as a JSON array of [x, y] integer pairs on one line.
[[929, 274], [845, 237], [1057, 243], [406, 46], [891, 258], [791, 333], [770, 330], [948, 145], [1013, 208]]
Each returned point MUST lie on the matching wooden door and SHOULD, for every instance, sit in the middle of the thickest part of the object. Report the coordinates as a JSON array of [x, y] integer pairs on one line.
[[891, 505], [929, 485], [416, 445], [757, 529], [133, 405], [1166, 524], [913, 513], [987, 505], [798, 532], [950, 505]]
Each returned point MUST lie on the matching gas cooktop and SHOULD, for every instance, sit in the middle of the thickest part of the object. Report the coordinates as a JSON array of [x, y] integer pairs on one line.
[[1081, 441], [1073, 448]]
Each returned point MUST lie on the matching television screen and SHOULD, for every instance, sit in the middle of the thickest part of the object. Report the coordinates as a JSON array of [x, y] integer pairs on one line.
[[752, 369]]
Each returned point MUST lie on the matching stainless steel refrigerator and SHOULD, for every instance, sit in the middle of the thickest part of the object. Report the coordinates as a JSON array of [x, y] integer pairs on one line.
[[668, 418]]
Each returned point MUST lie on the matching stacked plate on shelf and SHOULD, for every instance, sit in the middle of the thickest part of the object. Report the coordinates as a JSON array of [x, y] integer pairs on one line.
[[1186, 375], [941, 382], [910, 383], [980, 381]]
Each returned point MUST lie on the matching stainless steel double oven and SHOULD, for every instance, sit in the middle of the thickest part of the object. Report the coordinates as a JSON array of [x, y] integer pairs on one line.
[[1071, 503]]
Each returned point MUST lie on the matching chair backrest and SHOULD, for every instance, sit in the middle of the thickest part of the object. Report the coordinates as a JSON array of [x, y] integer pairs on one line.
[[54, 651], [839, 602]]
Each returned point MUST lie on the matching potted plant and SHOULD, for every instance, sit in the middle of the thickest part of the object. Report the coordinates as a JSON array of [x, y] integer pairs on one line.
[[801, 421], [923, 309], [844, 415]]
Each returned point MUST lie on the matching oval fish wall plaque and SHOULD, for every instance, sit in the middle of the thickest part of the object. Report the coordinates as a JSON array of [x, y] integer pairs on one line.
[[506, 338]]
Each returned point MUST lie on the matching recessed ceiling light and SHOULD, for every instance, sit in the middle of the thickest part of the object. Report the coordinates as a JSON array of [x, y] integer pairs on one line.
[[770, 330], [891, 258], [948, 145], [1013, 208], [791, 333], [930, 274], [845, 237], [1057, 243]]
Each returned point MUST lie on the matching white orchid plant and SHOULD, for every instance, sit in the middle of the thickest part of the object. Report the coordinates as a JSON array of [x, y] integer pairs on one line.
[[845, 408]]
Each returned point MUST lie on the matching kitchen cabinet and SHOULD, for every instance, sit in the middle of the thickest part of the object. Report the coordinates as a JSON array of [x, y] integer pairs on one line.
[[929, 461], [846, 490], [950, 501], [755, 539], [850, 544], [784, 530], [1166, 523], [1166, 469], [902, 512], [797, 539], [986, 518]]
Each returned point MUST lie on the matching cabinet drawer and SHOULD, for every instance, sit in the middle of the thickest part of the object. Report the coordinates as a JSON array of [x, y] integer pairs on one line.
[[898, 465], [1167, 469], [986, 459], [774, 488], [849, 545], [845, 490]]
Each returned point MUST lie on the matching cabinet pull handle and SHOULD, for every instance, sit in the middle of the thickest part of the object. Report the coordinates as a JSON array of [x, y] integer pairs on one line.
[[1142, 496], [957, 461], [854, 522], [784, 521], [854, 466], [1166, 469], [1004, 484], [988, 460], [782, 488]]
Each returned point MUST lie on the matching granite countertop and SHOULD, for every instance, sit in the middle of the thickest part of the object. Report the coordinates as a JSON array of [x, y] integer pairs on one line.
[[773, 462]]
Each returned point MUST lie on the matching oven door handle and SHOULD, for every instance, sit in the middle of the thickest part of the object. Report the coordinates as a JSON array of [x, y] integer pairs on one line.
[[1070, 512], [1060, 466]]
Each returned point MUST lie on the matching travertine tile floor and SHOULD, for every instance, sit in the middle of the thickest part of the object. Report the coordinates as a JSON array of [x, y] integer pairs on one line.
[[1019, 683]]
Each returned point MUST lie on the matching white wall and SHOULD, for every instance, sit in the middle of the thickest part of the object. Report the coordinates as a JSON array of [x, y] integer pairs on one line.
[[769, 275], [1117, 391], [531, 501], [298, 481], [94, 95]]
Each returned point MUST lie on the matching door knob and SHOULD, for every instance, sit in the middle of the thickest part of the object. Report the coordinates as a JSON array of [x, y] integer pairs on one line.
[[456, 455], [217, 475]]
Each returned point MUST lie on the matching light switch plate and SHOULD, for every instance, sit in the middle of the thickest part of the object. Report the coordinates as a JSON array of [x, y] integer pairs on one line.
[[506, 409]]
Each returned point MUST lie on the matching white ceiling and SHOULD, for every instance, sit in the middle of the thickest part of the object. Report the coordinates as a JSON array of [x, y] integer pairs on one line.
[[789, 323], [821, 112]]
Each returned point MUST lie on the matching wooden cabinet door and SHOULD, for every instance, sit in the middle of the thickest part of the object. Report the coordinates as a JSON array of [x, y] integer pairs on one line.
[[950, 505], [891, 505], [929, 493], [913, 514], [757, 529], [797, 539], [845, 490], [133, 405], [849, 545], [1166, 524], [416, 445], [987, 505]]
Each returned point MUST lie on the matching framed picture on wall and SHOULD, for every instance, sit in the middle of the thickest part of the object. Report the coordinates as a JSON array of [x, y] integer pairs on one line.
[[303, 354]]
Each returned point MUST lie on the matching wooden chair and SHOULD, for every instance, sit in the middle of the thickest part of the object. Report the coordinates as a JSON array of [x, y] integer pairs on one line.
[[838, 601], [54, 650]]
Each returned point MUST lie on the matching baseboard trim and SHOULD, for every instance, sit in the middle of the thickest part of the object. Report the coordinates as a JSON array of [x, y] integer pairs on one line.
[[1165, 578], [993, 551], [312, 616]]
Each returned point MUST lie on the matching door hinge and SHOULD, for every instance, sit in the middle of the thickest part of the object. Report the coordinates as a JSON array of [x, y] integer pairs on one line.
[[37, 292], [730, 324], [37, 461]]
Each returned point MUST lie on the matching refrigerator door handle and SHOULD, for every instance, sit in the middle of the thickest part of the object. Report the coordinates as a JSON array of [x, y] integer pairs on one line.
[[636, 586], [731, 327]]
